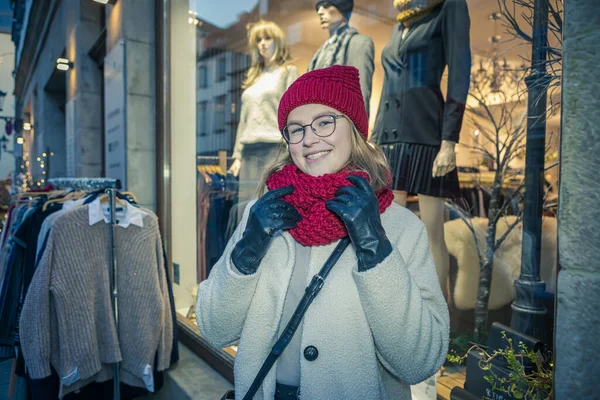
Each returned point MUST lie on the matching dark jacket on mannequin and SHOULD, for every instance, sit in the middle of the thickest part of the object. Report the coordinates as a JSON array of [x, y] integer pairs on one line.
[[359, 53], [412, 108]]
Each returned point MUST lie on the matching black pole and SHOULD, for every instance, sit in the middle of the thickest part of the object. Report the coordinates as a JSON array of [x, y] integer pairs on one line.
[[528, 310]]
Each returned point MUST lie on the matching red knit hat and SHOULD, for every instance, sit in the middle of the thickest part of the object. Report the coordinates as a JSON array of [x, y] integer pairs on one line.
[[337, 86]]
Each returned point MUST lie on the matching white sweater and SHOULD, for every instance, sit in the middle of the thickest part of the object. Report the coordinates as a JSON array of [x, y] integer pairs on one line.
[[377, 332], [258, 116]]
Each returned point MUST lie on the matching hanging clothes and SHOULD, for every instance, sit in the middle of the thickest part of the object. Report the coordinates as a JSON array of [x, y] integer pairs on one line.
[[30, 243], [67, 317], [217, 202]]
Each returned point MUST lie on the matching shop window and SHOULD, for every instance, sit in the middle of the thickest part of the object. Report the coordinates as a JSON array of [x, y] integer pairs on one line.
[[202, 118], [229, 105], [220, 114], [202, 77], [221, 69]]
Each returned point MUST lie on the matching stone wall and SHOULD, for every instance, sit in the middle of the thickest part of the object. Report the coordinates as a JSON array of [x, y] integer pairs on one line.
[[67, 107], [64, 106], [578, 315], [131, 24]]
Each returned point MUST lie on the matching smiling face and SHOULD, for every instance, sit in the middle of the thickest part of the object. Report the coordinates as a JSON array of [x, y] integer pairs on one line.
[[316, 155], [329, 16], [266, 47]]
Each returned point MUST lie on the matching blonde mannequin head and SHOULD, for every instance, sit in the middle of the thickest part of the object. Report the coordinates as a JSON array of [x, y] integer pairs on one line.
[[278, 52]]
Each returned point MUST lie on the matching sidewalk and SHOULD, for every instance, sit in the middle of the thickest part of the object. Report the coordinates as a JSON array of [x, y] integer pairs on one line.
[[190, 379]]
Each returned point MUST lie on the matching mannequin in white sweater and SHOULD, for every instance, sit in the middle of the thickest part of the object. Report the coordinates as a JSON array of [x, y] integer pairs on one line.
[[258, 138]]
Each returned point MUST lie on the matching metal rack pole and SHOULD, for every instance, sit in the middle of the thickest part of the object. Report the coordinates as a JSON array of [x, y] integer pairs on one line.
[[115, 289], [84, 183]]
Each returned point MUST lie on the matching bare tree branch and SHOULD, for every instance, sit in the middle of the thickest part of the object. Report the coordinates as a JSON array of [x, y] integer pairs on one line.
[[508, 202], [508, 231]]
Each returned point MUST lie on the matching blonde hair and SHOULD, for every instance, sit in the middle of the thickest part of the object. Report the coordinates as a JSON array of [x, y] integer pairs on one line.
[[282, 55], [364, 156]]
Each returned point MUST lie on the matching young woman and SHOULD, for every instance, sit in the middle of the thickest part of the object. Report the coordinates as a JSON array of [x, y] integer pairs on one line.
[[380, 322]]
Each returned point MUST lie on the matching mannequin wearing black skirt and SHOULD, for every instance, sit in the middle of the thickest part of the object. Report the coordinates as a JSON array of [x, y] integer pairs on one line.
[[415, 126]]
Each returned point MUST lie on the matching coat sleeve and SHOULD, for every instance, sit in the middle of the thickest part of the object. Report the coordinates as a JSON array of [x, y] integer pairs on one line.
[[361, 53], [406, 310], [165, 345], [224, 298], [34, 324], [455, 31]]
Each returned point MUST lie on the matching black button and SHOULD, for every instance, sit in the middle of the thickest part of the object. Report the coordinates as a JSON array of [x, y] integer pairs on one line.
[[395, 133], [387, 105], [397, 103], [311, 353]]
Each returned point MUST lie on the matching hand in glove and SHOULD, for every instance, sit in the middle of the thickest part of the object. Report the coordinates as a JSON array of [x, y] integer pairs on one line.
[[268, 216], [358, 207]]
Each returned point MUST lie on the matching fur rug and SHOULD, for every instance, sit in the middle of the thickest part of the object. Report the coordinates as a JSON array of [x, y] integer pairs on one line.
[[507, 261]]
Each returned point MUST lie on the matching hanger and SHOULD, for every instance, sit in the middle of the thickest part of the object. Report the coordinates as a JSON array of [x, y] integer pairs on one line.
[[25, 195], [68, 196], [104, 197], [130, 194], [210, 169]]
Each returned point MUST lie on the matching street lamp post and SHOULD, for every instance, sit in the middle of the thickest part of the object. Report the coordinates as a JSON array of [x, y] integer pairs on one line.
[[528, 310]]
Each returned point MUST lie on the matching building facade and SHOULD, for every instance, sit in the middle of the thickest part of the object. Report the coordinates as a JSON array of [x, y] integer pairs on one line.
[[109, 67], [7, 102]]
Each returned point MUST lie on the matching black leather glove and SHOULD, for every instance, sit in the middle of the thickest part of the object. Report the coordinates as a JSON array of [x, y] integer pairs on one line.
[[358, 207], [268, 216]]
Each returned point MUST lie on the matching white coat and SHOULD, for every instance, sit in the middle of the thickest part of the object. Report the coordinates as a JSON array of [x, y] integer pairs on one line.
[[377, 332]]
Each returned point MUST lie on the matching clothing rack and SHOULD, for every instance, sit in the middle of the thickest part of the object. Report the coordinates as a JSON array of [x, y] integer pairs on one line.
[[110, 187], [221, 159]]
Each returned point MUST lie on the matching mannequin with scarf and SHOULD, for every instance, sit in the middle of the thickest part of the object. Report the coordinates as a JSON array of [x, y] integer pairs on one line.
[[345, 45], [380, 322], [258, 138], [416, 127]]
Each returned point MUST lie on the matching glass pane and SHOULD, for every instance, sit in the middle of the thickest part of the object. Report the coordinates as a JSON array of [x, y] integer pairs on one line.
[[435, 87]]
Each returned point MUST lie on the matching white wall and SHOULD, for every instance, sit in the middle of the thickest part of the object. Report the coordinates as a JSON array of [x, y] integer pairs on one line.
[[183, 152], [7, 84]]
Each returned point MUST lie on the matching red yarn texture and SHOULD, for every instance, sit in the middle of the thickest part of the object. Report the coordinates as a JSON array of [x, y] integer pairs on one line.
[[337, 86], [319, 226]]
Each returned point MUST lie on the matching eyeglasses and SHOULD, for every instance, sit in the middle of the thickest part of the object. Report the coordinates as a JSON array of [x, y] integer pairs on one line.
[[322, 126]]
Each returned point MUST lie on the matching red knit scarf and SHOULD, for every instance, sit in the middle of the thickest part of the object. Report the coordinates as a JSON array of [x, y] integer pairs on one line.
[[319, 226]]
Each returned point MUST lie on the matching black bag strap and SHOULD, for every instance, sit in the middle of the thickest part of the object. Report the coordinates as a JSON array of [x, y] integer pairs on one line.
[[311, 292]]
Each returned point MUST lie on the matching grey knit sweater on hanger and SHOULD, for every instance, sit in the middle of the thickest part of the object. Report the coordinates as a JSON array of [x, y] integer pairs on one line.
[[67, 319]]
